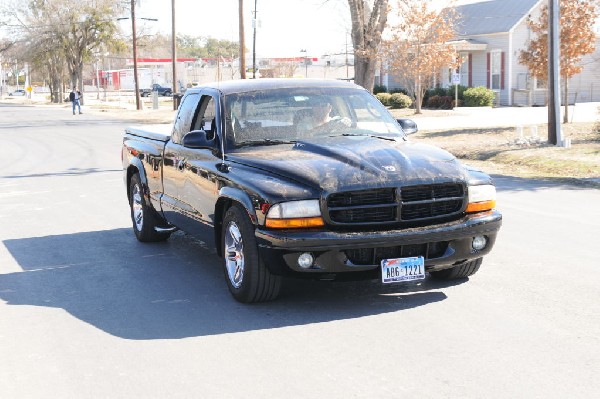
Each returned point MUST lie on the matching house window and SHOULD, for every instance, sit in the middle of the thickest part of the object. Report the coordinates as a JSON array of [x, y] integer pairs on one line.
[[496, 70], [464, 70]]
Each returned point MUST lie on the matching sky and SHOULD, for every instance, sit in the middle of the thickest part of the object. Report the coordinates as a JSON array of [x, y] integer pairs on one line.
[[285, 26]]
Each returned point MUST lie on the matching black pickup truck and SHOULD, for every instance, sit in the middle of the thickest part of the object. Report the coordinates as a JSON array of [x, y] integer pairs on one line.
[[307, 178], [161, 90]]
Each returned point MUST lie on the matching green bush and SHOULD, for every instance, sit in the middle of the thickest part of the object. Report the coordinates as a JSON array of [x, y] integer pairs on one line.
[[400, 100], [450, 91], [384, 98], [379, 89], [399, 90], [479, 97], [434, 92], [445, 92]]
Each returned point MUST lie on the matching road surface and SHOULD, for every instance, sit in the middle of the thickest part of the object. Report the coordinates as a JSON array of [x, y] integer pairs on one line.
[[87, 311]]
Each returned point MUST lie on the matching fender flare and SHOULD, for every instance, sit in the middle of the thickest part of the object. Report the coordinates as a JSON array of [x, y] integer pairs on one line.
[[237, 195], [231, 194], [136, 165]]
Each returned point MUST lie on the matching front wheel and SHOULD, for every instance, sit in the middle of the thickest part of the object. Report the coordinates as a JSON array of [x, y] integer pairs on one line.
[[248, 278], [143, 216], [459, 271]]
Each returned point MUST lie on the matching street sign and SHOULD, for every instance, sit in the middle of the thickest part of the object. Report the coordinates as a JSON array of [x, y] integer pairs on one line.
[[455, 78]]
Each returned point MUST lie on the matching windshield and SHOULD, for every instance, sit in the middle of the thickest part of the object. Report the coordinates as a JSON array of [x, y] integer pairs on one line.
[[275, 116]]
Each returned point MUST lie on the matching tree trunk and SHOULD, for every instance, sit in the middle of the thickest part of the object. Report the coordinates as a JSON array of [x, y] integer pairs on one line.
[[80, 80], [364, 72], [418, 96], [566, 116], [367, 27]]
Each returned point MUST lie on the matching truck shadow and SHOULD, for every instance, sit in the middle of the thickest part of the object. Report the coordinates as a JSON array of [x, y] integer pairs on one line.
[[176, 289]]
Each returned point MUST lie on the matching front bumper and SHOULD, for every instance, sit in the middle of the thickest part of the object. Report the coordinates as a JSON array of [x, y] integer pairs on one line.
[[441, 245]]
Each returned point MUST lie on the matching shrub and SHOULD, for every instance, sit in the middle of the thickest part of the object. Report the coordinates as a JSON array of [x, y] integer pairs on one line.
[[436, 91], [400, 100], [384, 98], [444, 92], [461, 92], [440, 102], [379, 89], [399, 90], [479, 97]]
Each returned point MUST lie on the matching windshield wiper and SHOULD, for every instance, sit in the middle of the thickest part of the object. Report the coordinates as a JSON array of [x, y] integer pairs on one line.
[[264, 142], [365, 134]]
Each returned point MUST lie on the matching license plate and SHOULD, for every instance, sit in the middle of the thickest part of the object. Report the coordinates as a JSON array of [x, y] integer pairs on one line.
[[402, 269]]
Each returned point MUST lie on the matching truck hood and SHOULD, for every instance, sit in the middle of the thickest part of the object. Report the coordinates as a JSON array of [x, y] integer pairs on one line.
[[354, 162]]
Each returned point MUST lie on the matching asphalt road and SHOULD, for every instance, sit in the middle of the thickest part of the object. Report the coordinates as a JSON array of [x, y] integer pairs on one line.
[[86, 311]]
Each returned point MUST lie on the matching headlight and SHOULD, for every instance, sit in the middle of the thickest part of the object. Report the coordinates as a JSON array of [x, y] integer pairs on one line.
[[295, 214], [481, 198]]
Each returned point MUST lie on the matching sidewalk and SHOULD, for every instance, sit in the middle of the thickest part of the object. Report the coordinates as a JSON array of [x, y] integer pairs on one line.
[[462, 117], [465, 117]]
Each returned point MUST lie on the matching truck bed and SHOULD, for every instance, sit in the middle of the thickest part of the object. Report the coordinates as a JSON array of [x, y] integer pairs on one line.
[[159, 132]]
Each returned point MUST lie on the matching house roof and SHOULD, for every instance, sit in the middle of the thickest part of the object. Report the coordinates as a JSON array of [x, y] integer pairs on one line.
[[492, 16]]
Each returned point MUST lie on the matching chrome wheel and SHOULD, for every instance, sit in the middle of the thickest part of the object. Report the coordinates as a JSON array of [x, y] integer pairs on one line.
[[234, 254], [137, 208]]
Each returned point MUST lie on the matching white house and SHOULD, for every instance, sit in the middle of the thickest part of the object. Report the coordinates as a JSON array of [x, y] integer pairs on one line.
[[491, 35]]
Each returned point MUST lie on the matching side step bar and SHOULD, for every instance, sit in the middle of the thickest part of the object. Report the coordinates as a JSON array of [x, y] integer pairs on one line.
[[165, 229]]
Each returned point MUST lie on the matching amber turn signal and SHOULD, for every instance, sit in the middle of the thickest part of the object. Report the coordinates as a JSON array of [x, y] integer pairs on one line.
[[296, 223], [480, 206]]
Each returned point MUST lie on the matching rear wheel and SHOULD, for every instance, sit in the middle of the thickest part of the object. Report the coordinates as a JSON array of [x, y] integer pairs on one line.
[[459, 271], [143, 216], [248, 278]]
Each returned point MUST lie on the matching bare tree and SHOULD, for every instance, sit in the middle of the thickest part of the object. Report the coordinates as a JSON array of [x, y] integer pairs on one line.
[[419, 45], [577, 38], [66, 33], [368, 22]]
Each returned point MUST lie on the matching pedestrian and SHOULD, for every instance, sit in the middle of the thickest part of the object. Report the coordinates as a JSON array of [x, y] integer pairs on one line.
[[75, 97]]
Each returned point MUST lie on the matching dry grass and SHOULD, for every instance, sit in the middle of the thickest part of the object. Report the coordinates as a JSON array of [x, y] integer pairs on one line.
[[503, 151]]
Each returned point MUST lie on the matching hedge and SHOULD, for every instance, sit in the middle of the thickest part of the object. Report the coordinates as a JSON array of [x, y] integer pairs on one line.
[[384, 98], [400, 100], [479, 97]]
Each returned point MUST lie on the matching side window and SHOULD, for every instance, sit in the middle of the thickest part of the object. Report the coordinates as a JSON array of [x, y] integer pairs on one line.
[[184, 118], [206, 119]]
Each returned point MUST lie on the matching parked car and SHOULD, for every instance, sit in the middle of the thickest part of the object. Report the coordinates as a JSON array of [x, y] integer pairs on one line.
[[161, 90], [306, 178], [18, 93]]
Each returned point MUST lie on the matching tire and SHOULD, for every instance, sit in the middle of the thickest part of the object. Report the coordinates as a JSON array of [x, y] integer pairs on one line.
[[167, 94], [460, 271], [143, 216], [248, 278]]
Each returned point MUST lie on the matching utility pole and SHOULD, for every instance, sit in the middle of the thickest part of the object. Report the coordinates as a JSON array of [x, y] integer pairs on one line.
[[135, 68], [254, 23], [174, 52], [554, 133], [346, 52], [242, 40]]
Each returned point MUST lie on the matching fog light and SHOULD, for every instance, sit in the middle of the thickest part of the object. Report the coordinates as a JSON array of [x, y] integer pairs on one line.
[[479, 243], [305, 260]]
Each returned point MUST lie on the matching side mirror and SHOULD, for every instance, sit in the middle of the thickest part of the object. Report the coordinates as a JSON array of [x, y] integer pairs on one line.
[[408, 125], [197, 139]]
